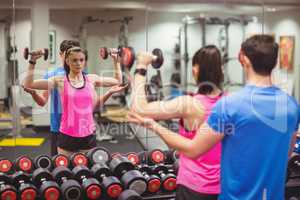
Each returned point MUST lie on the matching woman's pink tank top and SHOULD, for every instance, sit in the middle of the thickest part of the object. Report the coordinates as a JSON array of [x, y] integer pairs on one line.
[[77, 109], [202, 174]]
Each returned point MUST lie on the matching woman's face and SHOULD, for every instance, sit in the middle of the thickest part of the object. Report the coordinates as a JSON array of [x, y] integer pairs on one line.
[[76, 62], [195, 71]]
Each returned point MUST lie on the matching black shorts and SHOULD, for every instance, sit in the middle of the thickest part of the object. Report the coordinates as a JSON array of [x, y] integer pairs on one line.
[[184, 193], [76, 144]]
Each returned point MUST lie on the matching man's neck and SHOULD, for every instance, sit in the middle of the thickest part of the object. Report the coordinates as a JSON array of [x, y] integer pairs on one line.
[[260, 81]]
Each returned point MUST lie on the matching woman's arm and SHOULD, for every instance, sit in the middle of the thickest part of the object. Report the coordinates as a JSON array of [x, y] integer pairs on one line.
[[179, 107], [41, 100], [204, 140], [115, 89], [39, 84], [109, 81]]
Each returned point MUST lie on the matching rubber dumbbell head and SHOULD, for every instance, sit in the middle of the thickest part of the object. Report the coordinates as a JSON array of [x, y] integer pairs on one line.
[[24, 163], [70, 188], [127, 57], [103, 52], [168, 179], [131, 178], [156, 156], [5, 166], [90, 185], [79, 159], [98, 155], [134, 158], [48, 189], [153, 181], [130, 195], [294, 164], [43, 161], [26, 190], [60, 160], [110, 184], [171, 156], [159, 60], [7, 190]]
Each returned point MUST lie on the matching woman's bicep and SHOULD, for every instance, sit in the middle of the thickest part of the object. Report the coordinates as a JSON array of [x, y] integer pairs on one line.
[[42, 84], [160, 110]]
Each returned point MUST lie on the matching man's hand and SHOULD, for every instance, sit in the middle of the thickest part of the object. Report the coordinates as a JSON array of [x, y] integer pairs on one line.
[[29, 90]]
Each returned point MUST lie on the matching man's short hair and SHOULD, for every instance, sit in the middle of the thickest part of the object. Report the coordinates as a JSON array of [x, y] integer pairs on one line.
[[262, 51]]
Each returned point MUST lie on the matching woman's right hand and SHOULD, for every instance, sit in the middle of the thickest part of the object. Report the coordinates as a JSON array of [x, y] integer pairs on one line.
[[36, 55]]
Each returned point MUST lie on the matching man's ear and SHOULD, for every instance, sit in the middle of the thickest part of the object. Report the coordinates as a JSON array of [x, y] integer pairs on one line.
[[241, 57]]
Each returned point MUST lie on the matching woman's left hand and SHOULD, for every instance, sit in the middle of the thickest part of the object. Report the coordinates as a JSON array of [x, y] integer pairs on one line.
[[117, 88], [143, 121]]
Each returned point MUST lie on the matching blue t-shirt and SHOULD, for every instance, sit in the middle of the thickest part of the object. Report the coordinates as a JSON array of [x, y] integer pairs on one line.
[[55, 103], [258, 124]]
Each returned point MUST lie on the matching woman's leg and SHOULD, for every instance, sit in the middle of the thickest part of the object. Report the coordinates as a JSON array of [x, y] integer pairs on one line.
[[64, 152], [183, 193]]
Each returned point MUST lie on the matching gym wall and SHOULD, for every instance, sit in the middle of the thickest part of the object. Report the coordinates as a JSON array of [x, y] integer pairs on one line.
[[158, 29]]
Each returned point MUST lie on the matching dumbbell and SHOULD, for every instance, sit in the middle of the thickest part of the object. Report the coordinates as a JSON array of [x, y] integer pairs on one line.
[[90, 185], [294, 164], [172, 156], [24, 163], [153, 181], [98, 155], [79, 159], [60, 160], [26, 53], [130, 195], [156, 156], [168, 179], [43, 161], [48, 188], [6, 166], [70, 188], [133, 158], [104, 52], [128, 58], [110, 184], [7, 190], [129, 176], [26, 190]]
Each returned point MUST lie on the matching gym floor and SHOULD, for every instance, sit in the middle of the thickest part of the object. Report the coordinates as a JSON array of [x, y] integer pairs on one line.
[[122, 143]]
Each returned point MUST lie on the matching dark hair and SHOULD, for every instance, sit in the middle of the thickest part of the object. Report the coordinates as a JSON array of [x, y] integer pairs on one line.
[[175, 79], [66, 44], [262, 51], [209, 60], [68, 52]]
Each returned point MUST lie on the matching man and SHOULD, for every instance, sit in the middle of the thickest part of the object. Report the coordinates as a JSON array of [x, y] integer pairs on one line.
[[257, 126]]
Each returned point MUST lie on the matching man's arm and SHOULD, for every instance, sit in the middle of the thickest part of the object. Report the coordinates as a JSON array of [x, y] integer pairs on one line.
[[204, 140]]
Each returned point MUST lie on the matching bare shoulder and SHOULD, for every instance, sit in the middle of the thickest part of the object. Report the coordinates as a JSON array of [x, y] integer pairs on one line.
[[92, 77], [192, 105]]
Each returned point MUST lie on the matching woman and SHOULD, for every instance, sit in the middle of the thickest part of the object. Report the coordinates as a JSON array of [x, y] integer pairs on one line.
[[78, 97], [197, 178]]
